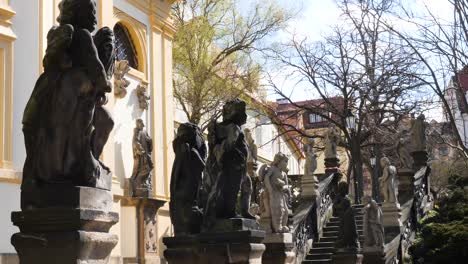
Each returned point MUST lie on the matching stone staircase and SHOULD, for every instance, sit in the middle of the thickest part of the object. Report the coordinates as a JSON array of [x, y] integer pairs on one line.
[[322, 250]]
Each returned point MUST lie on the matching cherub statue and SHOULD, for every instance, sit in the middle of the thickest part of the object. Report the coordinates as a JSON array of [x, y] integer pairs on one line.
[[274, 198], [67, 102], [387, 182]]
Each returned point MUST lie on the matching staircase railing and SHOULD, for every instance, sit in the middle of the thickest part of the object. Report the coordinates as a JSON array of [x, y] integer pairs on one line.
[[311, 216], [413, 210]]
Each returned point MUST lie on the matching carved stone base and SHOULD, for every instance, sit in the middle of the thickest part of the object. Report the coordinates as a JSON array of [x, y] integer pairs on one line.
[[332, 165], [347, 257], [265, 224], [391, 220], [373, 255], [420, 159], [69, 225], [279, 249], [76, 247], [240, 245], [405, 185], [309, 186]]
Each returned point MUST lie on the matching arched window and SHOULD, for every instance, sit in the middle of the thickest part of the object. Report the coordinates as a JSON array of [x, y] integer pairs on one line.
[[125, 48]]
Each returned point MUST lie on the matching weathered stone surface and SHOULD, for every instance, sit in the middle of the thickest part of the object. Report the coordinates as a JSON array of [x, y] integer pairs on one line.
[[216, 247], [68, 196], [373, 255], [74, 247], [391, 220], [279, 249], [141, 180]]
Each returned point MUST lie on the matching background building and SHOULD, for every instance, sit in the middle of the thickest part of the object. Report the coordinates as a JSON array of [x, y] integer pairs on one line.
[[144, 34]]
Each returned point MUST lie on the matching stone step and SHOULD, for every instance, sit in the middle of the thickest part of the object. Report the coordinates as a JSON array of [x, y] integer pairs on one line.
[[319, 256], [329, 239], [322, 250], [331, 228], [329, 233], [319, 261], [323, 244]]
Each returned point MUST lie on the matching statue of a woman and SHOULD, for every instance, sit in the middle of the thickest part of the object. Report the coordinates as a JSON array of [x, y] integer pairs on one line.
[[276, 193], [310, 158], [65, 125], [373, 224], [226, 164], [387, 182], [142, 161], [418, 133]]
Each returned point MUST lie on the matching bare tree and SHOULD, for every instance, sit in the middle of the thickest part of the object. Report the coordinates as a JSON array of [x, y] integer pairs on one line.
[[361, 62], [442, 48], [212, 49]]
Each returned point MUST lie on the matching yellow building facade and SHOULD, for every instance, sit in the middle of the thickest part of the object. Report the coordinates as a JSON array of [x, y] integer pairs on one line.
[[24, 25]]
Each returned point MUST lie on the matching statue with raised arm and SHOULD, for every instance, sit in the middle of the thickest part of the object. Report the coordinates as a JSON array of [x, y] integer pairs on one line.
[[332, 138], [276, 193], [141, 181], [387, 182], [373, 224], [226, 164], [190, 154], [65, 125]]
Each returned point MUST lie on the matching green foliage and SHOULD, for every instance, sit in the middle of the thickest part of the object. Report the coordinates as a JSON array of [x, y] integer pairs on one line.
[[443, 237]]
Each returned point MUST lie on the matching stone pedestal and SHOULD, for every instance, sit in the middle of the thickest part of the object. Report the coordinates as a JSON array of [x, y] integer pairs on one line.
[[391, 220], [332, 165], [419, 158], [405, 185], [279, 249], [347, 257], [147, 237], [235, 240], [373, 255], [309, 186], [73, 228]]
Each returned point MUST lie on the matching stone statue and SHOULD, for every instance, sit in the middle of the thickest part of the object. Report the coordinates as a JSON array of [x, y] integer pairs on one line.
[[142, 162], [65, 125], [310, 158], [418, 133], [120, 82], [276, 193], [187, 170], [387, 182], [403, 152], [373, 224], [338, 200], [226, 164], [348, 235], [332, 139], [142, 97], [251, 167]]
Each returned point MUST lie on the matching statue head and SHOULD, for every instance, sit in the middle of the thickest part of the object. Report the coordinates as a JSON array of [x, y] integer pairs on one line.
[[234, 111], [384, 162], [191, 134], [281, 162], [78, 13], [139, 124], [248, 135]]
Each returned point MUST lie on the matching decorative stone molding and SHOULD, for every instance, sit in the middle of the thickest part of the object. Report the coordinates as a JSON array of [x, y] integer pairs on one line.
[[142, 97], [120, 83]]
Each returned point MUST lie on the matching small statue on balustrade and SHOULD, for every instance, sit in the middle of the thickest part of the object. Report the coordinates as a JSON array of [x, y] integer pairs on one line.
[[275, 195], [189, 163], [226, 164], [418, 133], [332, 138], [403, 151], [388, 182], [65, 125], [341, 195], [373, 224], [310, 158], [252, 165], [141, 182], [348, 235]]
